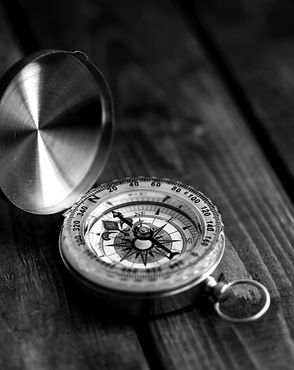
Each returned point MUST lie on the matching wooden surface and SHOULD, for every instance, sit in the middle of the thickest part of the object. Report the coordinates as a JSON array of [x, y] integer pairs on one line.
[[202, 94], [255, 44]]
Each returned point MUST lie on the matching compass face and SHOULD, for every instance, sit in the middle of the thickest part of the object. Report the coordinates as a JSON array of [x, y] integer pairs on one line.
[[142, 235]]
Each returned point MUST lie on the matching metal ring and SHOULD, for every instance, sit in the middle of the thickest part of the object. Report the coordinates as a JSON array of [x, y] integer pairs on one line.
[[254, 317]]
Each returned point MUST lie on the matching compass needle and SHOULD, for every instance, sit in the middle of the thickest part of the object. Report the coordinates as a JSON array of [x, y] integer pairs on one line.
[[119, 215]]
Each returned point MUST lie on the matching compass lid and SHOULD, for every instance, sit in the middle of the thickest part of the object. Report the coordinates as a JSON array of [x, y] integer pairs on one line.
[[56, 120]]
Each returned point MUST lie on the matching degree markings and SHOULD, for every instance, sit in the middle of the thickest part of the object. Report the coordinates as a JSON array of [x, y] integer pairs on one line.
[[169, 221]]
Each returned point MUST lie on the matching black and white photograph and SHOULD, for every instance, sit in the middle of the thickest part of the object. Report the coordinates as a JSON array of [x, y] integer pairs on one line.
[[146, 185]]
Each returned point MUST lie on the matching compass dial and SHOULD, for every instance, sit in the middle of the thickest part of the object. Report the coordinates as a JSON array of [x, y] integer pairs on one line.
[[142, 235]]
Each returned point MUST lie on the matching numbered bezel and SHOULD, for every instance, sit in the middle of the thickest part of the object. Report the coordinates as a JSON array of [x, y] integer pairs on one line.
[[185, 270]]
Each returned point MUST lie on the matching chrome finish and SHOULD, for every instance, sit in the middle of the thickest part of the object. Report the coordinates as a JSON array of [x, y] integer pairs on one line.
[[55, 130], [135, 304], [253, 317]]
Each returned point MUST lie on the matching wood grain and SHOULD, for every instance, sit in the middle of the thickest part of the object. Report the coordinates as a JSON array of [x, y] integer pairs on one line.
[[255, 41], [175, 118]]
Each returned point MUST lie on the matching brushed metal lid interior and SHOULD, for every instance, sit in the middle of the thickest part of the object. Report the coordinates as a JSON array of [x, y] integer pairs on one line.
[[55, 130]]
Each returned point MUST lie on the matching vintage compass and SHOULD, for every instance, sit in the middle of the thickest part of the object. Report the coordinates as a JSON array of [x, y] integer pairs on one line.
[[143, 245]]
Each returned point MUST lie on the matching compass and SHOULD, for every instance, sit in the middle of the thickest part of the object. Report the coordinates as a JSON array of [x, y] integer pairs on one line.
[[141, 245], [147, 245], [148, 240]]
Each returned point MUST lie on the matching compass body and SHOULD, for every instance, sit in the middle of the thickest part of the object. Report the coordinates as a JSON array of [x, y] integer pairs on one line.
[[143, 244]]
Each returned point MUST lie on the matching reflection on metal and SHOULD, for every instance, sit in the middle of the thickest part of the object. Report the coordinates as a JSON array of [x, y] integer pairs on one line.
[[55, 130]]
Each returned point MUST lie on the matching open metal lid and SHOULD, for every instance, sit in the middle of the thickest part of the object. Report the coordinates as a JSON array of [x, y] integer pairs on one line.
[[56, 121]]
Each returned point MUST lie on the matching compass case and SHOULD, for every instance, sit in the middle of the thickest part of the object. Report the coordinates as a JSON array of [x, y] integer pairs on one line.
[[148, 304], [142, 248], [56, 120]]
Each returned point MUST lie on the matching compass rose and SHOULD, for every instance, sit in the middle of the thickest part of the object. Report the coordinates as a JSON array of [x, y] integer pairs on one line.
[[138, 241]]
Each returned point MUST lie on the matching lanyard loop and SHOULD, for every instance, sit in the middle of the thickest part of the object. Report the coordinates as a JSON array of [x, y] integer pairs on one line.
[[220, 292]]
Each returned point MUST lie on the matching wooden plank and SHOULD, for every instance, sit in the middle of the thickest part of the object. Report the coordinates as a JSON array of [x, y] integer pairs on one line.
[[175, 118], [255, 39], [42, 325]]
